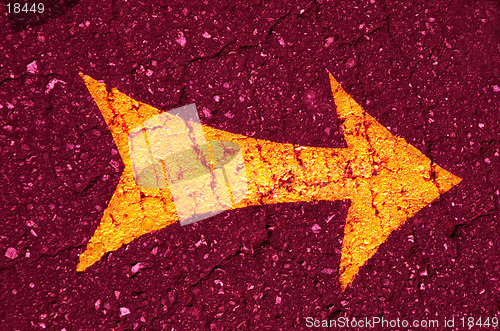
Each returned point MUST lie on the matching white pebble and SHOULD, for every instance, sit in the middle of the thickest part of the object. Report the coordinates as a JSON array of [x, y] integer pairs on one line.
[[138, 266], [181, 40], [32, 68], [206, 112], [124, 311], [316, 228], [329, 41], [52, 84], [11, 253]]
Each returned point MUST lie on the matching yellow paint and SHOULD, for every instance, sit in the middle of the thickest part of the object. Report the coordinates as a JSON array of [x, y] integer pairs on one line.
[[386, 179]]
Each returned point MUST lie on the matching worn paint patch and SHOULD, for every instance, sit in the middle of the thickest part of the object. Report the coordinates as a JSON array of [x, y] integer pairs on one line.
[[204, 178], [386, 179]]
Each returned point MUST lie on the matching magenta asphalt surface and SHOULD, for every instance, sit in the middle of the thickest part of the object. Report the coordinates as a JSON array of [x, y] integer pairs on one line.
[[429, 71]]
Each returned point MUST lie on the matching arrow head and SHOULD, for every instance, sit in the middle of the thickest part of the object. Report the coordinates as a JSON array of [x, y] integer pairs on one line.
[[393, 182]]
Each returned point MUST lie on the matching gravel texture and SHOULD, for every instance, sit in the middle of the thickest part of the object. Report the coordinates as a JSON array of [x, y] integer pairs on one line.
[[428, 70]]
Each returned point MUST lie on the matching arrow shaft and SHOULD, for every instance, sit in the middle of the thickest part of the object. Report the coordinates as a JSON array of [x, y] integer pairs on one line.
[[280, 173]]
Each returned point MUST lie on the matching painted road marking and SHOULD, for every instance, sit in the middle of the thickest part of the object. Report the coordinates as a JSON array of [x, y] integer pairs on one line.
[[386, 179]]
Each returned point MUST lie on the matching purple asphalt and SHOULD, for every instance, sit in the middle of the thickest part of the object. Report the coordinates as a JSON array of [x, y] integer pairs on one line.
[[428, 71]]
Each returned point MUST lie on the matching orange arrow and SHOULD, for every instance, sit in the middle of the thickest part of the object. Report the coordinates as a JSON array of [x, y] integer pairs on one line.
[[386, 179]]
